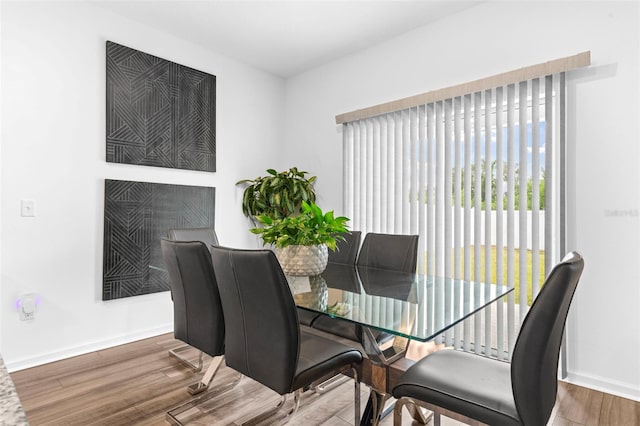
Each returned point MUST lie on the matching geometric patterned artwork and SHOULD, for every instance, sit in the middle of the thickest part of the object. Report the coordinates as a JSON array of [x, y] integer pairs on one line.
[[159, 113], [136, 216]]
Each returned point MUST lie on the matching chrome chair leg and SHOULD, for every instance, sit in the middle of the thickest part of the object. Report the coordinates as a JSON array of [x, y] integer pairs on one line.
[[330, 383], [419, 416], [172, 415], [356, 396], [203, 385], [335, 381], [435, 412], [175, 353], [265, 415], [397, 411], [297, 395]]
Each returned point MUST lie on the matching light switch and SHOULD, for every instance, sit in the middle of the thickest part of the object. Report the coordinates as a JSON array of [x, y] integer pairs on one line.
[[28, 208]]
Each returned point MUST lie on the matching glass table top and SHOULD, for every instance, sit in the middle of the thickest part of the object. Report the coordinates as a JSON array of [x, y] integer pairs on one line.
[[415, 306]]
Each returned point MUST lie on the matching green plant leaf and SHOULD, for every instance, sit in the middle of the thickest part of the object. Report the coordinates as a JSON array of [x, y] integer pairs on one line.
[[292, 186], [316, 212], [265, 219], [310, 227]]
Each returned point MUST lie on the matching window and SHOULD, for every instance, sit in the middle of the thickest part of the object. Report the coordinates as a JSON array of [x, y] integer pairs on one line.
[[479, 176]]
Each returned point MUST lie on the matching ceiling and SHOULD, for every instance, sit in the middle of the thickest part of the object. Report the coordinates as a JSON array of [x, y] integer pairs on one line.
[[286, 37]]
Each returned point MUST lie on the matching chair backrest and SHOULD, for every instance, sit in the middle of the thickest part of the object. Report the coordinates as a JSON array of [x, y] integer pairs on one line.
[[534, 363], [389, 251], [206, 235], [347, 250], [197, 310], [263, 335]]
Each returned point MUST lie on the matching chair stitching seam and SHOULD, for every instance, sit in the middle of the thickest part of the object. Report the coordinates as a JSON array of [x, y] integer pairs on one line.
[[241, 303]]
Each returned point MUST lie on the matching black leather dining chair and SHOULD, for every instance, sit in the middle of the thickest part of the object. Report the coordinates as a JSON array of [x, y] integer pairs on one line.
[[347, 249], [465, 386], [263, 336], [393, 252], [209, 237], [197, 311], [345, 253], [389, 251]]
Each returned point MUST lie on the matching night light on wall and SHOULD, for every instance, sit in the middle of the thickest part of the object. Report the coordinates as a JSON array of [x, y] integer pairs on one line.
[[27, 305]]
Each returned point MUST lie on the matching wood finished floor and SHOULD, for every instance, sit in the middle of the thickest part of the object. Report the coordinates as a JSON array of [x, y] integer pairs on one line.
[[135, 384]]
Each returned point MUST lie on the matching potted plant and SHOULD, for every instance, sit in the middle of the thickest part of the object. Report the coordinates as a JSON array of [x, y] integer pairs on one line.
[[277, 195], [302, 241]]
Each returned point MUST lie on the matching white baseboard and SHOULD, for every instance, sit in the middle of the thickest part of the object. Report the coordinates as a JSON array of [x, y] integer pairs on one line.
[[87, 348], [603, 384]]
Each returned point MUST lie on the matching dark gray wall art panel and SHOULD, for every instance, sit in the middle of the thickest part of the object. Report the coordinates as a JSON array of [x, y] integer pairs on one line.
[[136, 216], [159, 113]]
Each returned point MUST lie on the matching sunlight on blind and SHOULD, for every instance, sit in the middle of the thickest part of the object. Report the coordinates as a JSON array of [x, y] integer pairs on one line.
[[476, 177]]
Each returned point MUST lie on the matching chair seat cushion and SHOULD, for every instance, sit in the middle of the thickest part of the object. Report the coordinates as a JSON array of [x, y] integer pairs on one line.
[[468, 384], [320, 356]]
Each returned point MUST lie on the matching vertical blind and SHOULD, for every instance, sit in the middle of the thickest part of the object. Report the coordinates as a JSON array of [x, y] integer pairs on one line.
[[478, 177]]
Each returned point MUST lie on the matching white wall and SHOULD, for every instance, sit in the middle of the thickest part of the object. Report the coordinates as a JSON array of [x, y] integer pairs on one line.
[[53, 151], [604, 325]]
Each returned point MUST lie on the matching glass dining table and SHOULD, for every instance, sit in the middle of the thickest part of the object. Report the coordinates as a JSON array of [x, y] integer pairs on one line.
[[404, 306]]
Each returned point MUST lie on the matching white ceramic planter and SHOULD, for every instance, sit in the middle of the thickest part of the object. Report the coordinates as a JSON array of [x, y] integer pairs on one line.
[[317, 297], [303, 260]]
